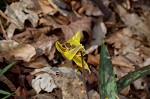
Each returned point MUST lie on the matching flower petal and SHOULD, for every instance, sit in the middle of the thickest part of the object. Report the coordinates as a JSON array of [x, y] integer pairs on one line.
[[60, 48], [75, 39], [77, 36], [70, 54], [78, 61]]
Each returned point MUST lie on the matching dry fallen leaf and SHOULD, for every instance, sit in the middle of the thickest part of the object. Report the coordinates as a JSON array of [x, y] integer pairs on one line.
[[71, 86], [20, 51], [122, 62], [66, 80], [140, 84], [93, 94], [21, 92], [7, 45], [39, 62], [99, 31], [138, 25], [18, 11], [93, 59], [43, 96], [92, 10], [23, 52], [45, 45], [46, 69], [43, 82], [83, 24]]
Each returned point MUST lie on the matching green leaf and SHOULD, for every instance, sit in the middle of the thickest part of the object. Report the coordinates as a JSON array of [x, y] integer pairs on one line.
[[8, 96], [107, 83], [4, 92], [131, 77], [6, 68]]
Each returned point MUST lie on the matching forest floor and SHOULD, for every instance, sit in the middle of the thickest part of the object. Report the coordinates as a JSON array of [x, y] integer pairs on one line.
[[29, 30]]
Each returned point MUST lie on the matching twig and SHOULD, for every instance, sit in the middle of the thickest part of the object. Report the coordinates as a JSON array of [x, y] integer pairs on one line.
[[8, 83], [3, 30], [83, 71]]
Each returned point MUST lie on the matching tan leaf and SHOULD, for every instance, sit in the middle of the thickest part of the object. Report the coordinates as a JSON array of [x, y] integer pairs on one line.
[[43, 96], [93, 59], [99, 30], [17, 11], [46, 69], [139, 25], [93, 94], [92, 10], [71, 86], [23, 52], [7, 45], [43, 82], [122, 62], [45, 45], [39, 62], [140, 84], [83, 24]]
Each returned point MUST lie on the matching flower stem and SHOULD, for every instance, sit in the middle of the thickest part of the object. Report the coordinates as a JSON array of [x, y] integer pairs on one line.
[[83, 72]]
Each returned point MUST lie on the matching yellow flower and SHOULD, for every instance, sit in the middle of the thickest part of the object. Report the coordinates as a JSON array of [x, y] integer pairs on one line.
[[71, 50]]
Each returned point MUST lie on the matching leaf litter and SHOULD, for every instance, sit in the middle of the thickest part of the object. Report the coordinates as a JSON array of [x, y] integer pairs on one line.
[[30, 29]]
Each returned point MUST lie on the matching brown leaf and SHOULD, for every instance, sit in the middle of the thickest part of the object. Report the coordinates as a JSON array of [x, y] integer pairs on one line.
[[39, 62], [93, 59], [19, 51], [15, 69], [17, 11], [127, 46], [30, 33], [138, 25], [122, 62], [45, 7], [21, 93], [43, 96], [70, 85], [125, 91], [21, 80], [23, 52], [43, 82], [6, 81], [29, 78], [92, 10], [45, 45], [7, 45], [83, 24], [93, 94], [1, 57], [54, 21], [2, 30], [99, 30], [91, 78]]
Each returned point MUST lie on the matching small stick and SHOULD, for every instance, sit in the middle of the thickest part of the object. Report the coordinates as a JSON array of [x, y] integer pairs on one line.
[[8, 83], [83, 71]]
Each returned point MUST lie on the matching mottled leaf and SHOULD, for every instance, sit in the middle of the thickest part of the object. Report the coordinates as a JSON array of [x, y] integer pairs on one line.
[[131, 77], [107, 83]]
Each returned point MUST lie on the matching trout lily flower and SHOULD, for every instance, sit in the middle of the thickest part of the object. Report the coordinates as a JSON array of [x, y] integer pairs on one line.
[[71, 49]]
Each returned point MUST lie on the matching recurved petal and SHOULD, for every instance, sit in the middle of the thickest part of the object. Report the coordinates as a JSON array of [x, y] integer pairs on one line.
[[60, 48], [71, 53], [75, 39], [77, 36], [78, 61], [73, 42]]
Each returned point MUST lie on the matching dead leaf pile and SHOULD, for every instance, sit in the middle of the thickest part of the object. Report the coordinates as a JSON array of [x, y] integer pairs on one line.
[[30, 28]]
